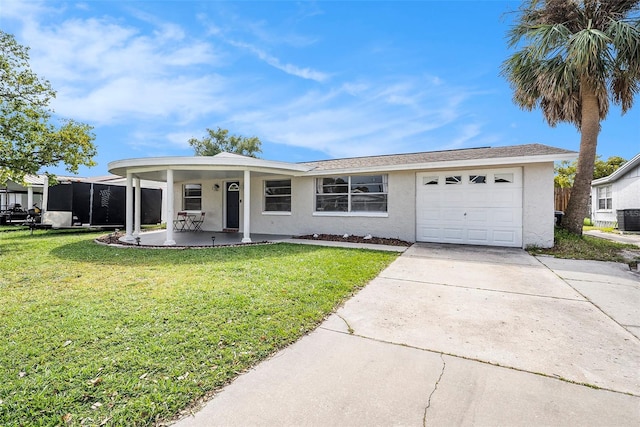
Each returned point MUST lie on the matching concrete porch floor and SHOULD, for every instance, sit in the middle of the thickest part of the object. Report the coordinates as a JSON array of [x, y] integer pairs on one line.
[[203, 238]]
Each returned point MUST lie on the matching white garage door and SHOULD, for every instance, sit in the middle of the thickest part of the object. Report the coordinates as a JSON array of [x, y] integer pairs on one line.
[[477, 207]]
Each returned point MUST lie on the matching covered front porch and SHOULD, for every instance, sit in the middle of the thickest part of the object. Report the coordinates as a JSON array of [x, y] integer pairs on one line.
[[217, 186]]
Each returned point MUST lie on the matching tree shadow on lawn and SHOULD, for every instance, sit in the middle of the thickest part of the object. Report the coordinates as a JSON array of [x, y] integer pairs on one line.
[[89, 251]]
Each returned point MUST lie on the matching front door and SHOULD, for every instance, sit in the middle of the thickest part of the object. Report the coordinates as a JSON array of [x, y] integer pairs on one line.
[[233, 204]]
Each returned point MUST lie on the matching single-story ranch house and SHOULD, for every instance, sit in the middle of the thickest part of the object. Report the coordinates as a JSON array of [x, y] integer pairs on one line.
[[499, 196], [619, 191]]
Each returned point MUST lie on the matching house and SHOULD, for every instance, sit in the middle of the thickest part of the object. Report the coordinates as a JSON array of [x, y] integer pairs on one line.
[[617, 192], [25, 194], [98, 201], [499, 196]]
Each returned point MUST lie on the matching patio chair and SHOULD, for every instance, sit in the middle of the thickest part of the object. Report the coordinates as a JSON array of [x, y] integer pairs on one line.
[[197, 223], [181, 222]]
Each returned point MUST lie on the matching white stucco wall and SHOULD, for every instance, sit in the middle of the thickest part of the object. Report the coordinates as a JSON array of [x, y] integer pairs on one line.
[[399, 222], [211, 202], [538, 205]]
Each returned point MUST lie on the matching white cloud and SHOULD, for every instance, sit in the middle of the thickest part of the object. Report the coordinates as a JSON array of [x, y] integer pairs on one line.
[[133, 98], [294, 70], [160, 82], [362, 118], [106, 72]]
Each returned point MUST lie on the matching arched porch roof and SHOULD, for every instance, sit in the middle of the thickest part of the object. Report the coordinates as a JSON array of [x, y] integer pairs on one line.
[[220, 166]]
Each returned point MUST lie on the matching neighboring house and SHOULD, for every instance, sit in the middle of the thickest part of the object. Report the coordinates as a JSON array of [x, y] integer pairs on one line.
[[25, 194], [98, 201], [618, 191], [499, 196]]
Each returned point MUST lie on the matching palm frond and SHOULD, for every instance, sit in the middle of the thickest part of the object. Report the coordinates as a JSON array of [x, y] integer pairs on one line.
[[574, 44]]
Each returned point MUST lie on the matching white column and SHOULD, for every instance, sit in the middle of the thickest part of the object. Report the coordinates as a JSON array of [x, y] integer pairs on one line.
[[170, 214], [246, 235], [136, 209], [29, 197], [45, 194], [128, 222]]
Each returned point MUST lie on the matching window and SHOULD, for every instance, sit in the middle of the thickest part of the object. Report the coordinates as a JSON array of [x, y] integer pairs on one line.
[[360, 193], [430, 180], [277, 195], [501, 178], [604, 197], [457, 179], [192, 197], [477, 179]]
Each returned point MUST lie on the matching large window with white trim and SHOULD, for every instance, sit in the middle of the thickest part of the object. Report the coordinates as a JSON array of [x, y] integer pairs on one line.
[[354, 193], [604, 198], [192, 197], [277, 195]]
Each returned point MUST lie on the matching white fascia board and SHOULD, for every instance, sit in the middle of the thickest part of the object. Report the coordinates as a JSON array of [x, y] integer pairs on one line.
[[152, 164], [457, 164], [622, 170]]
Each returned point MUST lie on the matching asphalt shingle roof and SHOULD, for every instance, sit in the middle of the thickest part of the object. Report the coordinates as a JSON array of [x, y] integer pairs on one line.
[[438, 156]]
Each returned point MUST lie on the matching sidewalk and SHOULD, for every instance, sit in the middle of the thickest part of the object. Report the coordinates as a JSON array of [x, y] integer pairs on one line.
[[632, 239], [453, 335]]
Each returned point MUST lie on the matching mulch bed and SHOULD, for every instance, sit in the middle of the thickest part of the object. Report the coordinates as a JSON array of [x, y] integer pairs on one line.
[[114, 239], [355, 239]]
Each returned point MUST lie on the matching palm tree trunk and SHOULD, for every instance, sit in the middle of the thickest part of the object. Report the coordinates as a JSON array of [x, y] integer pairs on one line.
[[577, 209]]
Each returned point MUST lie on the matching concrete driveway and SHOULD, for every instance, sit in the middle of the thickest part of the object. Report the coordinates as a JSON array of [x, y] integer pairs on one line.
[[452, 335]]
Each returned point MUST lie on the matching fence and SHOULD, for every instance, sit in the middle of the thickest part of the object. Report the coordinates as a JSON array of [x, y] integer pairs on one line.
[[561, 197]]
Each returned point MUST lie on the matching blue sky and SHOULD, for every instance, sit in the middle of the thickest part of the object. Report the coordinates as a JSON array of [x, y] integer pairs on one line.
[[312, 79]]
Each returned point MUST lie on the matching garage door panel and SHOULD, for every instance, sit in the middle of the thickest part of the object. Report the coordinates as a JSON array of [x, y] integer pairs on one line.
[[480, 236], [509, 197], [454, 215], [478, 198], [468, 212], [511, 217], [429, 233], [505, 237], [454, 235], [477, 216], [427, 215]]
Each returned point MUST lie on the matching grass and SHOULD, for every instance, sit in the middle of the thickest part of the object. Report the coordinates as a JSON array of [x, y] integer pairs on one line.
[[570, 246], [94, 335]]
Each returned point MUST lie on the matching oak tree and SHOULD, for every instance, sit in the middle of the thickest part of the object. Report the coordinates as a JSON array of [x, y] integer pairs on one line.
[[29, 138]]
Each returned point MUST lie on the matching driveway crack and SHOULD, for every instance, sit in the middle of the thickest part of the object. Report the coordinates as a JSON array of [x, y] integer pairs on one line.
[[444, 365]]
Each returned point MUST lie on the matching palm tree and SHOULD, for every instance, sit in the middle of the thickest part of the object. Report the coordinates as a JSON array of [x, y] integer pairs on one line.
[[577, 56]]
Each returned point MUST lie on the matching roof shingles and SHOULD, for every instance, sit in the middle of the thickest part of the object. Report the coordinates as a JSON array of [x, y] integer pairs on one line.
[[514, 151]]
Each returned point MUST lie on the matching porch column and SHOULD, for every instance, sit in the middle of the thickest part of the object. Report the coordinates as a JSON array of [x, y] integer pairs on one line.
[[246, 235], [136, 209], [128, 222], [170, 214], [29, 196], [45, 194]]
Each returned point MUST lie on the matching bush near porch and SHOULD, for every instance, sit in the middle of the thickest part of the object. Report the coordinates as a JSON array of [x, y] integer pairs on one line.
[[95, 335]]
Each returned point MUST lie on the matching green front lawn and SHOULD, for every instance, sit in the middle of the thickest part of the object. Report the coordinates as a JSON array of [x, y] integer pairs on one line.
[[97, 335]]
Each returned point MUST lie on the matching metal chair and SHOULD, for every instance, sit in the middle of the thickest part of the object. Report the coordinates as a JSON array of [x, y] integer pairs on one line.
[[181, 222], [197, 223]]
